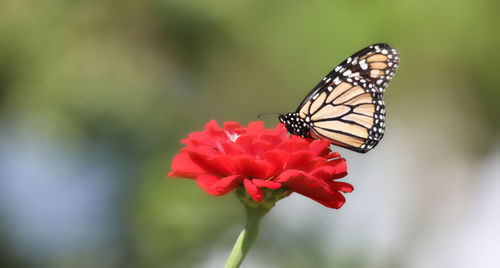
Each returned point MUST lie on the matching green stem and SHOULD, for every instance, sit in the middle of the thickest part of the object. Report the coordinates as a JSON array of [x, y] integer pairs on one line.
[[247, 236]]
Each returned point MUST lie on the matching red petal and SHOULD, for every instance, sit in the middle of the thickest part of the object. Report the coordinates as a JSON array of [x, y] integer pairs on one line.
[[207, 182], [271, 139], [335, 170], [200, 149], [253, 145], [231, 125], [279, 127], [299, 180], [232, 148], [256, 192], [340, 167], [202, 161], [266, 183], [260, 146], [213, 130], [333, 155], [226, 184], [319, 147], [194, 139], [223, 164], [341, 186], [304, 160], [245, 142], [336, 202], [311, 187], [323, 172], [251, 167], [294, 144], [339, 176], [255, 127], [184, 167], [212, 125], [278, 159]]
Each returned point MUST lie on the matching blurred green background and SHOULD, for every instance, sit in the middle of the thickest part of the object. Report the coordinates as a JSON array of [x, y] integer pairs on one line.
[[95, 96]]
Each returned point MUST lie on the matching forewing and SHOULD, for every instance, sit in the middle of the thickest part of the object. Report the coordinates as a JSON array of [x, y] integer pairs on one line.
[[376, 63]]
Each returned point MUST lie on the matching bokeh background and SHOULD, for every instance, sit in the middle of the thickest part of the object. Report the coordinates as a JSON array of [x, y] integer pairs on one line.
[[95, 96]]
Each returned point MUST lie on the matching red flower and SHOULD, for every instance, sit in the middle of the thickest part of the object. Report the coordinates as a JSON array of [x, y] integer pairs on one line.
[[255, 158]]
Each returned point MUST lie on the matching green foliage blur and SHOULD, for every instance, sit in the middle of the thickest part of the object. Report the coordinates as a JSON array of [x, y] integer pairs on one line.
[[131, 78]]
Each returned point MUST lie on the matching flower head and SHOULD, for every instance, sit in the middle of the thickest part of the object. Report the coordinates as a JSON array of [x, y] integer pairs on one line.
[[259, 160]]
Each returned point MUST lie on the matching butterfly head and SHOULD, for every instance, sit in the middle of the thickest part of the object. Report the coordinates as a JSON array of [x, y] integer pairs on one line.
[[295, 124]]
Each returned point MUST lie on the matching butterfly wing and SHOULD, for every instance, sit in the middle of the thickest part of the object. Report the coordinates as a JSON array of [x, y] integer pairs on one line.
[[350, 114], [376, 63]]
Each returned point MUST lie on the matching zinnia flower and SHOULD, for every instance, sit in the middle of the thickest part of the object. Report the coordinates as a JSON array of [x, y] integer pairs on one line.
[[259, 161]]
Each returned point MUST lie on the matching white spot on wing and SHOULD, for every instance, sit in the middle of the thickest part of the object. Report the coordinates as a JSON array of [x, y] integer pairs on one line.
[[336, 81]]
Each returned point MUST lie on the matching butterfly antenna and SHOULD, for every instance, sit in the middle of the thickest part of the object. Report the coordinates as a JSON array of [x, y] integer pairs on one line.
[[259, 115]]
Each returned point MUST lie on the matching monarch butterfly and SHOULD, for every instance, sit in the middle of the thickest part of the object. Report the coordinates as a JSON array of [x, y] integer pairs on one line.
[[347, 107]]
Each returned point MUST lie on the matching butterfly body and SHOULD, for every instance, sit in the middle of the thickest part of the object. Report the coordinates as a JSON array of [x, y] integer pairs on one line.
[[346, 107], [296, 125]]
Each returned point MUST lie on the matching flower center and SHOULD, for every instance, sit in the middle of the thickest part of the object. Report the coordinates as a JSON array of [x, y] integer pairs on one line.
[[232, 136]]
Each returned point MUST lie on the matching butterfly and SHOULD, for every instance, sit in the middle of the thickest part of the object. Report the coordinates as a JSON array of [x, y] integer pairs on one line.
[[347, 107]]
